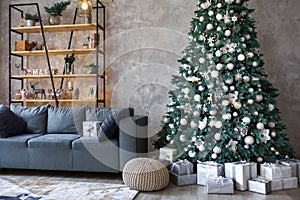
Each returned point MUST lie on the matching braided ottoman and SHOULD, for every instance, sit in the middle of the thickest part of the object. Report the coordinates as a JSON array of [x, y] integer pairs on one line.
[[145, 174]]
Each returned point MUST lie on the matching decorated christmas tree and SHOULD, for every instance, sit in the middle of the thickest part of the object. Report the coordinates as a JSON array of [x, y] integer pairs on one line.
[[223, 108]]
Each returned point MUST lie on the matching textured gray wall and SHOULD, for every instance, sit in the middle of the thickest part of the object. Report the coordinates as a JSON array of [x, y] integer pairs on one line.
[[145, 39]]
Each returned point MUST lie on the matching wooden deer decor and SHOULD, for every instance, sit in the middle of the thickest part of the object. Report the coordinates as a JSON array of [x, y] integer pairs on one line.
[[37, 91]]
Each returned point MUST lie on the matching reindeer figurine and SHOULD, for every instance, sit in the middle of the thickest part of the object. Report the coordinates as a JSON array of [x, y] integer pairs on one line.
[[37, 91]]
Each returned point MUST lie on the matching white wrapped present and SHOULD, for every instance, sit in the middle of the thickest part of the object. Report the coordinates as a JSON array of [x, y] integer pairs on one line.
[[90, 128], [284, 183], [166, 153], [241, 172], [181, 180], [274, 171], [182, 167], [219, 185], [259, 185], [206, 170], [294, 164]]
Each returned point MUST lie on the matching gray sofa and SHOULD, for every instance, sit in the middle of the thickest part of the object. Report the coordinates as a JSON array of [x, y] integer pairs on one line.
[[53, 140]]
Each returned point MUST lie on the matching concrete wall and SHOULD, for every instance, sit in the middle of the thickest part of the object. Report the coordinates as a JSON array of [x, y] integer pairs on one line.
[[145, 38]]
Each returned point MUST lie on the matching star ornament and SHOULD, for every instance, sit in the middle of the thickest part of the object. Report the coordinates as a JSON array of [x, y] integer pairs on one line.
[[234, 19], [232, 145], [211, 40], [264, 135]]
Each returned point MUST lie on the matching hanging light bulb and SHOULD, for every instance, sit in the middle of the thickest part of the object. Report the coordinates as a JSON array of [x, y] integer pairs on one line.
[[85, 10]]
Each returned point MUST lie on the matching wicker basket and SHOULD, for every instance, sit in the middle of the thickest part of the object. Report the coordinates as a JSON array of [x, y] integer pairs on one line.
[[145, 174], [23, 45]]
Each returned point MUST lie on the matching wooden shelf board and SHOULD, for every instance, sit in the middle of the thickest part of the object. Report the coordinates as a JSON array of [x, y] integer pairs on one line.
[[52, 100], [56, 76], [55, 52], [57, 28]]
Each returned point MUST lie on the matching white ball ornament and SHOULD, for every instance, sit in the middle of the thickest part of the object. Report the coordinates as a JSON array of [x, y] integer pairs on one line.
[[246, 120], [166, 120], [225, 88], [201, 38], [225, 103], [219, 28], [255, 113], [182, 138], [171, 126], [241, 57], [168, 138], [219, 66], [229, 81], [183, 122], [259, 159], [202, 60], [271, 124], [235, 114], [242, 39], [255, 64], [260, 126], [201, 19], [218, 124], [250, 90], [273, 134], [250, 101], [214, 74], [209, 26], [277, 153], [246, 146], [218, 53], [217, 136], [186, 90], [214, 156], [197, 98], [213, 112], [272, 149], [219, 5], [230, 66], [259, 98], [250, 54], [227, 33], [201, 88], [249, 140], [217, 150], [246, 79], [232, 88], [192, 154], [201, 148], [248, 37], [237, 1], [211, 13], [219, 17]]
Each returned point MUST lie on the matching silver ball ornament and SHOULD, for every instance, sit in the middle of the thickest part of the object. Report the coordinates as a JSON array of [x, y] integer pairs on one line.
[[217, 136], [214, 156], [255, 64], [241, 57], [182, 138], [249, 140], [217, 150], [219, 66], [230, 66], [209, 26], [183, 122], [227, 33], [260, 126]]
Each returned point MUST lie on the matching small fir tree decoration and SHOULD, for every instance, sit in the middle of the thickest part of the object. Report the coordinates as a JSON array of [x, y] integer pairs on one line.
[[57, 8], [223, 107]]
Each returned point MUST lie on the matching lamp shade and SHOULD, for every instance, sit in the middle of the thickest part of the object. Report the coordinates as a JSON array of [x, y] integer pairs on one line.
[[84, 8]]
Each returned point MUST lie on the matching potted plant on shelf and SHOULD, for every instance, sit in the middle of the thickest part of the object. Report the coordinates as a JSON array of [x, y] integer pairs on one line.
[[69, 60], [91, 68], [31, 19], [55, 11]]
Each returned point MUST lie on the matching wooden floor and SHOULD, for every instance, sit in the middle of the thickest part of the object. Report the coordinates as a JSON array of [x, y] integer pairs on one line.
[[172, 192]]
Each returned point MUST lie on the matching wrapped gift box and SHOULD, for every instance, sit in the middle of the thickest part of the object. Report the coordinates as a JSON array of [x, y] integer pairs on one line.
[[219, 185], [166, 153], [259, 185], [295, 165], [206, 170], [241, 172], [284, 183], [90, 129], [182, 167], [274, 171], [181, 180]]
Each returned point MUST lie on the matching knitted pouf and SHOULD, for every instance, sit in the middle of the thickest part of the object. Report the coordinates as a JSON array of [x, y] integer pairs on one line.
[[145, 174]]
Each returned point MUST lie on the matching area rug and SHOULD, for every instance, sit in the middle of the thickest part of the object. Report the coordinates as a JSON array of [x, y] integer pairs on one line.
[[64, 190]]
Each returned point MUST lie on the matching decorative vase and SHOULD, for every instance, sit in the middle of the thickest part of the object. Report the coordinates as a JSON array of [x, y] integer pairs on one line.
[[29, 22], [69, 68], [54, 19], [92, 70]]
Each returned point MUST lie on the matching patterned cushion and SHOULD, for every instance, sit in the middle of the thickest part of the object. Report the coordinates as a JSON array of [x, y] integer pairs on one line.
[[10, 123], [35, 117], [110, 126]]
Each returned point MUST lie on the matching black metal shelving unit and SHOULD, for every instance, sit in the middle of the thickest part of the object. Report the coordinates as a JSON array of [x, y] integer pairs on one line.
[[98, 77]]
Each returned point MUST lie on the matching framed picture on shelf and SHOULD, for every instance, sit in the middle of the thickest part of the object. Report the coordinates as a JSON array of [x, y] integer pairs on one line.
[[92, 92]]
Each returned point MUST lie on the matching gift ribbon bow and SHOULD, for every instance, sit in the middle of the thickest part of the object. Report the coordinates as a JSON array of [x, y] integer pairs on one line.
[[220, 180]]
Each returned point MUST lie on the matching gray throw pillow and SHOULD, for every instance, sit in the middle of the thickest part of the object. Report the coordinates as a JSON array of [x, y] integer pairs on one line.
[[109, 128], [66, 120], [35, 117], [10, 123]]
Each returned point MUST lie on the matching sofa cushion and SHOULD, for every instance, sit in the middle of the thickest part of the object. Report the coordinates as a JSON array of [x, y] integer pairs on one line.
[[35, 117], [17, 141], [66, 120], [97, 114], [53, 141], [10, 123], [110, 126]]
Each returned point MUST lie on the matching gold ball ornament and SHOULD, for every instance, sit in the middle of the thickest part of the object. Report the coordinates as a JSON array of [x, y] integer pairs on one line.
[[250, 90], [232, 88], [273, 134], [277, 153], [237, 105], [259, 159]]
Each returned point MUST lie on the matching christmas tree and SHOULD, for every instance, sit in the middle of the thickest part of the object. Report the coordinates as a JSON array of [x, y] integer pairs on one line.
[[223, 108]]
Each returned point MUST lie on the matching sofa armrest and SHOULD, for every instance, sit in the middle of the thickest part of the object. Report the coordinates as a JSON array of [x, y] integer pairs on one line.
[[133, 138]]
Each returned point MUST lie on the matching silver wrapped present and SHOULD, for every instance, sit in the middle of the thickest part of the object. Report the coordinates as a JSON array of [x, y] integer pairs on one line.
[[284, 183], [182, 167], [274, 171], [259, 185], [294, 164], [166, 153], [181, 180], [219, 185], [90, 129], [206, 170], [241, 172]]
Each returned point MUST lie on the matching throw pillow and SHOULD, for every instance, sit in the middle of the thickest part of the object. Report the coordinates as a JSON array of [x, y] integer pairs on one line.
[[109, 128], [35, 117], [10, 123], [66, 120]]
